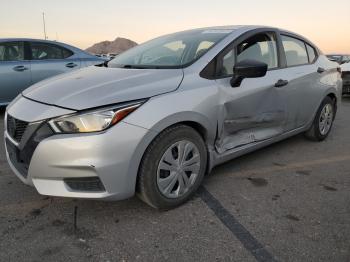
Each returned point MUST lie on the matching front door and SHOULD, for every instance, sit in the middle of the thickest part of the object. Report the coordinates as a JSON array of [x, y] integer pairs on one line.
[[256, 110], [14, 71]]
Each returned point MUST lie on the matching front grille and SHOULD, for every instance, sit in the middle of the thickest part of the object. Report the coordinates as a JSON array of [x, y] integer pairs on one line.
[[21, 157], [345, 74], [16, 128], [346, 89], [85, 184]]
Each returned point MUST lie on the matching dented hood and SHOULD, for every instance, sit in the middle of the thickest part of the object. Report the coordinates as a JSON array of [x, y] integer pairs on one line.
[[98, 86]]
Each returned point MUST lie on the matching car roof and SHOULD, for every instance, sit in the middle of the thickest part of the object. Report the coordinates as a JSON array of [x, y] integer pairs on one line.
[[31, 39], [73, 48], [234, 28]]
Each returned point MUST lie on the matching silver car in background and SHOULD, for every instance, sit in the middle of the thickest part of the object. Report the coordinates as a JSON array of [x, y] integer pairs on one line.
[[164, 113], [340, 59], [24, 62]]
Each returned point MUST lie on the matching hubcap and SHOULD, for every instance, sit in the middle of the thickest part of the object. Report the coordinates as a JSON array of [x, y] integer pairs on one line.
[[326, 119], [178, 169]]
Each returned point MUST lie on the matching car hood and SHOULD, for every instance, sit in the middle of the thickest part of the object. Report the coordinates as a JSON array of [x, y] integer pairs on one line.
[[98, 86]]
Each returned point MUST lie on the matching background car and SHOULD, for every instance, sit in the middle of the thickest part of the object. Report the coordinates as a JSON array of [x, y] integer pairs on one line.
[[24, 62], [340, 59], [345, 68]]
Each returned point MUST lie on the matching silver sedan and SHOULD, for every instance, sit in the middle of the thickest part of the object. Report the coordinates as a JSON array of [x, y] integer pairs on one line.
[[164, 113], [24, 62]]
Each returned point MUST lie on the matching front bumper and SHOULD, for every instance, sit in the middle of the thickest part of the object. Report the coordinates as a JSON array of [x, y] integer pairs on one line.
[[112, 156]]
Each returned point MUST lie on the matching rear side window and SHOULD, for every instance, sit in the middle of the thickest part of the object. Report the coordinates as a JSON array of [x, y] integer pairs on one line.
[[295, 51], [11, 51], [44, 51], [311, 53]]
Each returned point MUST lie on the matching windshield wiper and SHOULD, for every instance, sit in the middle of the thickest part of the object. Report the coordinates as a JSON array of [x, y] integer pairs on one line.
[[140, 66], [130, 66]]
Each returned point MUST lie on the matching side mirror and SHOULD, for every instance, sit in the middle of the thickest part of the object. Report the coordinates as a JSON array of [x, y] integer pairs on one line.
[[247, 69]]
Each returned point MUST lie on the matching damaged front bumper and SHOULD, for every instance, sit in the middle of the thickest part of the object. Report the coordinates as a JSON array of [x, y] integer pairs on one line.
[[96, 166]]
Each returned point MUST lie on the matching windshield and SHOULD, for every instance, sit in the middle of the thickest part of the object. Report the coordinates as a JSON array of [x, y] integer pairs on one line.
[[170, 51]]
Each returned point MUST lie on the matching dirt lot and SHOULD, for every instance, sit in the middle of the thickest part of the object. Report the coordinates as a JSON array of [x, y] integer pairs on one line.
[[286, 202]]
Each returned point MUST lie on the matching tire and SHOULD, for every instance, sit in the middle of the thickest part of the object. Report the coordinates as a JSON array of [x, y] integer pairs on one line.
[[159, 166], [316, 131]]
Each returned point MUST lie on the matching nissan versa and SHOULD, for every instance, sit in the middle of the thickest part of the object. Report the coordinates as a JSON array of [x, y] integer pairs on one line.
[[164, 113]]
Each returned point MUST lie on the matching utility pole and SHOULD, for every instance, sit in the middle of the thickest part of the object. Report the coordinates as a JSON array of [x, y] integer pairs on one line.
[[44, 26]]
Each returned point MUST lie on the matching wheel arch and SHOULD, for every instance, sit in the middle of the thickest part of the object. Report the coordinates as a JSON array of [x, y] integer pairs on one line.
[[194, 120], [333, 96]]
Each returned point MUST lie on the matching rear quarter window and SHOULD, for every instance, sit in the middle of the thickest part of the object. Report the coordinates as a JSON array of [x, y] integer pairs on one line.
[[311, 53]]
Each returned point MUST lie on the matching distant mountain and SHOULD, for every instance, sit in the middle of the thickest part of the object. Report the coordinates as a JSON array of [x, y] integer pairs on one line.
[[117, 46]]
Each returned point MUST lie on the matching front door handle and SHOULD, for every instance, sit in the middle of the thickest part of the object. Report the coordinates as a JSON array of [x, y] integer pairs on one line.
[[20, 68], [71, 65], [281, 83], [320, 70]]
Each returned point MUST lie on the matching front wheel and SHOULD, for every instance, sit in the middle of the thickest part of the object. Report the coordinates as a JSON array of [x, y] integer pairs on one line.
[[323, 121], [172, 168]]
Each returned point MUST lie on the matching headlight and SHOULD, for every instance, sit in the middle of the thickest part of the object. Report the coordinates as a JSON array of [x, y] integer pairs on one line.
[[92, 121]]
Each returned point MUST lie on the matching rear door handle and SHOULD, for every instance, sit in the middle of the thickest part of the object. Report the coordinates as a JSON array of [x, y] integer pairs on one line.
[[320, 70], [20, 68], [281, 83], [71, 65]]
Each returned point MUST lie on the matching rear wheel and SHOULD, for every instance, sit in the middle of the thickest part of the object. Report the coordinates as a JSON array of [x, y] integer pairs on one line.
[[323, 121], [172, 168]]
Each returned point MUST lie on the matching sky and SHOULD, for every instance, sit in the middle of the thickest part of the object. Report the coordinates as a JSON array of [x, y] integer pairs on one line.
[[85, 22]]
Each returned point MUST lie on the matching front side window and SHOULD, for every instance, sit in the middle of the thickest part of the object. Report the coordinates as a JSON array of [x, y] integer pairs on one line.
[[11, 51], [295, 51], [44, 51], [261, 47], [174, 51]]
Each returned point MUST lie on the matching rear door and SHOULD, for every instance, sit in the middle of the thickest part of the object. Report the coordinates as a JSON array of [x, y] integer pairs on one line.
[[256, 110], [14, 70], [49, 59], [304, 78]]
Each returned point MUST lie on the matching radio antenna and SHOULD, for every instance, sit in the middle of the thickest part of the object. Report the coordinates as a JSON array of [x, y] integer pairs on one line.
[[45, 37]]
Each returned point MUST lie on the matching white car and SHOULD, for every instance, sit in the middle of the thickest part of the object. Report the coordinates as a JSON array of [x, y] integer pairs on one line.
[[345, 68]]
